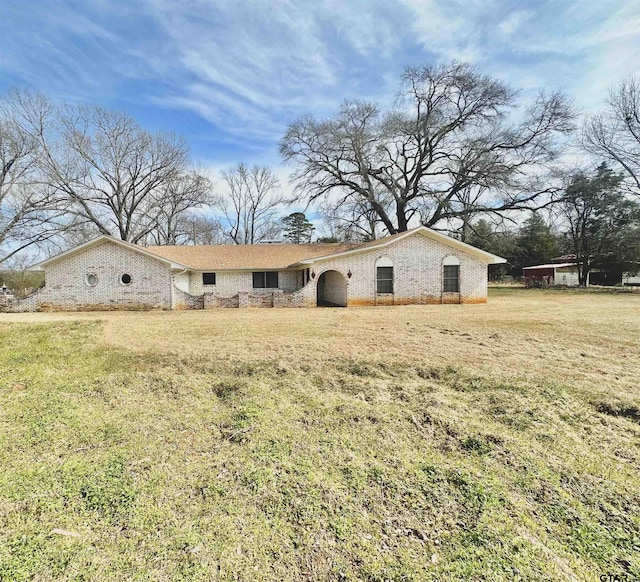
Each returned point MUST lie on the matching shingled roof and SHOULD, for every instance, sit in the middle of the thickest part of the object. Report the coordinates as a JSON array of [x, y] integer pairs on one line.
[[261, 257], [252, 257], [246, 257]]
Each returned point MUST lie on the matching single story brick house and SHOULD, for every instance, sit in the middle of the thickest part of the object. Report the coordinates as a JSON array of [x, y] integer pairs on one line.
[[420, 266]]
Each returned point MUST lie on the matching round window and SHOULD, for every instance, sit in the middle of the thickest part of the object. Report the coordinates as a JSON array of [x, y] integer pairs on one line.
[[125, 279], [91, 279]]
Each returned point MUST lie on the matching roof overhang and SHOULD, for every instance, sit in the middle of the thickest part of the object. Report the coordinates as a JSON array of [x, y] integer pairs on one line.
[[488, 258], [42, 265], [551, 266]]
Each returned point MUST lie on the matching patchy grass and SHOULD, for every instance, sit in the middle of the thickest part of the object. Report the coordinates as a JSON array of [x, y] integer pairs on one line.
[[412, 443]]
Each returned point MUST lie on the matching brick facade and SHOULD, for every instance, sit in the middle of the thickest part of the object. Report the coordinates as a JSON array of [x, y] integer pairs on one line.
[[417, 271], [418, 279], [66, 288], [417, 262]]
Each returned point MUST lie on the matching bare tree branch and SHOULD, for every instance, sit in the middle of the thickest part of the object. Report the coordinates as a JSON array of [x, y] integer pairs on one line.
[[249, 213], [445, 150]]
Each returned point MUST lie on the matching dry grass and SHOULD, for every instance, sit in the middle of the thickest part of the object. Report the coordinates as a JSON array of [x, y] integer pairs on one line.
[[409, 443], [582, 338]]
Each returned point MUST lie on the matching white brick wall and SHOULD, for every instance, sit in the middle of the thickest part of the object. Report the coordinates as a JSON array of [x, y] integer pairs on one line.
[[417, 268], [417, 262], [65, 286], [230, 283]]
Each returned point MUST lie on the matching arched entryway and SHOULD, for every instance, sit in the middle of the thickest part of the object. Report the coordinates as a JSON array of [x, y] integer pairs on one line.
[[332, 290]]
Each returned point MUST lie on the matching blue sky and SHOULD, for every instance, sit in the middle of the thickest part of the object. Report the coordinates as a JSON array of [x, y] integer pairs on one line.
[[230, 75]]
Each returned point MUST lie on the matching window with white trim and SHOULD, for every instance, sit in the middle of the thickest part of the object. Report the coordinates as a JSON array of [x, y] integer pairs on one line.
[[451, 275], [265, 280], [384, 275], [91, 279], [208, 278]]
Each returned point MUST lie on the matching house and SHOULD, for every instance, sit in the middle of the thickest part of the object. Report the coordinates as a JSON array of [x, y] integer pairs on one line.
[[552, 274], [420, 266], [563, 271]]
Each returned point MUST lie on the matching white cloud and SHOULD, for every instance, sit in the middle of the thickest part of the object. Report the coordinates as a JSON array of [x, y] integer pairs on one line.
[[250, 67]]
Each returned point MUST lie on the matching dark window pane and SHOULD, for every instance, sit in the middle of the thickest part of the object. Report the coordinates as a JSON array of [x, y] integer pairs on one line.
[[258, 280], [208, 278], [385, 272], [451, 279], [384, 280], [272, 280], [385, 286]]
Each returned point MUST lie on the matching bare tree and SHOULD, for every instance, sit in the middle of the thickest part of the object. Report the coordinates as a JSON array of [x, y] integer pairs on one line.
[[614, 135], [203, 229], [350, 220], [26, 215], [18, 278], [447, 136], [249, 210], [107, 172], [174, 225]]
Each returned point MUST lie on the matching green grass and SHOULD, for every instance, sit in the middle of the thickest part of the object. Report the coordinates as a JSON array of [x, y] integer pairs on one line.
[[187, 466]]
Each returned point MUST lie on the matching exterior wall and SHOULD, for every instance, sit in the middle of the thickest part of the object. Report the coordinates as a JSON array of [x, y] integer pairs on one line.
[[418, 273], [181, 281], [567, 277], [182, 300], [231, 282], [630, 279], [418, 279], [65, 287]]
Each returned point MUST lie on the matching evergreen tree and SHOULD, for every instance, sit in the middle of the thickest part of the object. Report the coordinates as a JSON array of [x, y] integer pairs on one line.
[[536, 243], [601, 223], [297, 229], [501, 243]]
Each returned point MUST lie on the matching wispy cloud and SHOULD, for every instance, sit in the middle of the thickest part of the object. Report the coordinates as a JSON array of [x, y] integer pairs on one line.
[[231, 75]]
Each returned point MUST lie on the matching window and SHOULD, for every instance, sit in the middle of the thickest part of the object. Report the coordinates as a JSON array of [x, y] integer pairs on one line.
[[125, 279], [384, 279], [265, 280], [91, 279], [451, 281], [208, 278]]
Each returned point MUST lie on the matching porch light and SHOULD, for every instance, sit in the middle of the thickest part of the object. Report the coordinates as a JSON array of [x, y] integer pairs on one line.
[[349, 273], [313, 274]]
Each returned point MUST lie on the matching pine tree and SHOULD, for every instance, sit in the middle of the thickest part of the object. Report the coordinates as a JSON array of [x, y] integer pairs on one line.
[[536, 242], [297, 229]]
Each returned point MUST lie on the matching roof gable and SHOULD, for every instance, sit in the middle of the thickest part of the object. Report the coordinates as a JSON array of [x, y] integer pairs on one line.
[[96, 242], [488, 258]]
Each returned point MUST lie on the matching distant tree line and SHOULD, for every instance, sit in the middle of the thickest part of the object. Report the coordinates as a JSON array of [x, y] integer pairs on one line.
[[456, 151]]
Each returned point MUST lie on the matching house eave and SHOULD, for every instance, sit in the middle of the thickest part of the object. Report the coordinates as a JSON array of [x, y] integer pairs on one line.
[[42, 265], [488, 258]]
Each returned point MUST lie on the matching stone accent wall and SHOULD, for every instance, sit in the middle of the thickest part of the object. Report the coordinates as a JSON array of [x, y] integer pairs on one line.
[[266, 298], [66, 288], [24, 305], [182, 300]]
